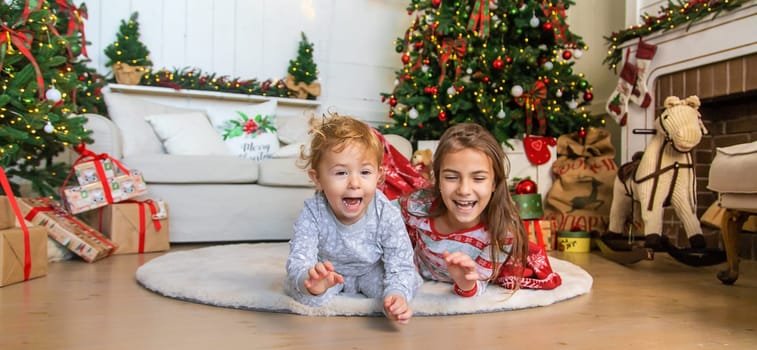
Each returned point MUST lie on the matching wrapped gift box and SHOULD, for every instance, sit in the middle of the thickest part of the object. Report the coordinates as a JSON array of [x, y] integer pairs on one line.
[[135, 226], [82, 198], [66, 229], [543, 228], [87, 172], [13, 250]]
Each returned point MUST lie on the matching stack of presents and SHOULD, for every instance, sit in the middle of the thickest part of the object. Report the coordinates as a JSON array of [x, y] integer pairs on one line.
[[98, 217]]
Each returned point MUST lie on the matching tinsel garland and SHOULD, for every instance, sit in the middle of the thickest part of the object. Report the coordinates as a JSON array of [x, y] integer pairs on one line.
[[668, 18]]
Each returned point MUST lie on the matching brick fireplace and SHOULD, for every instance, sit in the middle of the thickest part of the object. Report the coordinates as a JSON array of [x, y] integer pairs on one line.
[[715, 59]]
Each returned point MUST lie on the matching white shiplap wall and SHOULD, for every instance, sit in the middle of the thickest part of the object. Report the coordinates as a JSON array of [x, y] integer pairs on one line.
[[353, 41]]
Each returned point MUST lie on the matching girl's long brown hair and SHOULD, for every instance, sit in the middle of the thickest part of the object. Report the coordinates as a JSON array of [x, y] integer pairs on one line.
[[501, 216]]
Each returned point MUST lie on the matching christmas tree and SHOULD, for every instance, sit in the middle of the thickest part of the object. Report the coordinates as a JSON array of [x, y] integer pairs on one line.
[[504, 64], [128, 49], [303, 72], [39, 85]]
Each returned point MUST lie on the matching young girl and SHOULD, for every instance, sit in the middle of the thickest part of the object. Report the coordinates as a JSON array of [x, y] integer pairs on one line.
[[349, 237], [466, 228]]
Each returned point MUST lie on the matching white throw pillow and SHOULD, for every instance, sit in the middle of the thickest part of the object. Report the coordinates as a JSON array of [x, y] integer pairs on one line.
[[293, 129], [187, 133], [249, 131], [128, 112]]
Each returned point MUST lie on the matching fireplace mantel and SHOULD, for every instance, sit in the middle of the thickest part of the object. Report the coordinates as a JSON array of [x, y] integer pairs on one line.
[[727, 36]]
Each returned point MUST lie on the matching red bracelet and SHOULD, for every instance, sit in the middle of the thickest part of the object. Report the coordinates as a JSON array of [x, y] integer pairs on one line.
[[466, 293]]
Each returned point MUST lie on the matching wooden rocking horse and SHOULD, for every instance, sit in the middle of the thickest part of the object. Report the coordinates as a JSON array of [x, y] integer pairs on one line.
[[663, 176]]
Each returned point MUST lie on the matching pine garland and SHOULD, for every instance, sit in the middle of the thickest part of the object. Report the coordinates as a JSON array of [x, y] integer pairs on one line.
[[684, 12]]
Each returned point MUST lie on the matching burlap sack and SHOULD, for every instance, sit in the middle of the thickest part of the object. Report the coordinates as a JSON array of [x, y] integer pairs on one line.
[[584, 173]]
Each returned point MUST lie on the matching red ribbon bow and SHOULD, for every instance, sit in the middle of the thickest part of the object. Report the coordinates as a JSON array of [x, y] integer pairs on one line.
[[532, 103], [75, 22], [556, 15], [450, 47], [85, 155], [23, 42]]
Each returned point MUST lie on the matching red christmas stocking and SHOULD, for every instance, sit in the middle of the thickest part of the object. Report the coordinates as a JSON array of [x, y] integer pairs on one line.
[[537, 150], [617, 104], [644, 54]]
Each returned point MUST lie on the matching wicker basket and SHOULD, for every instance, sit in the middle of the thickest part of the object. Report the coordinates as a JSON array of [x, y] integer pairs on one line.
[[128, 75]]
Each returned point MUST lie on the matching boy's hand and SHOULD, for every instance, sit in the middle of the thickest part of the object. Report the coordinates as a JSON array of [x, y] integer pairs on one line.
[[397, 309], [462, 269], [322, 277]]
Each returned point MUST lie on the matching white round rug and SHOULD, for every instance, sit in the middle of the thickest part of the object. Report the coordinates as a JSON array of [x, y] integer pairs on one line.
[[251, 277]]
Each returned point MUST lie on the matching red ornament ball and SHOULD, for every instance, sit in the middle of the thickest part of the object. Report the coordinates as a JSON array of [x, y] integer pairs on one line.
[[508, 59], [418, 44], [80, 148], [436, 3], [588, 96], [442, 115], [486, 80], [567, 54], [392, 101], [405, 58], [525, 186], [582, 133], [547, 26], [498, 64]]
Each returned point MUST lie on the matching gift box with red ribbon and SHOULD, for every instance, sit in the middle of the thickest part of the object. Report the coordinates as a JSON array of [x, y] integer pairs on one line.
[[541, 232], [23, 250], [66, 229], [102, 180], [136, 226]]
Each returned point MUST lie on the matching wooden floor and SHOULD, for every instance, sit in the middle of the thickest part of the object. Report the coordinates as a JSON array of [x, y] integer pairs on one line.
[[653, 304]]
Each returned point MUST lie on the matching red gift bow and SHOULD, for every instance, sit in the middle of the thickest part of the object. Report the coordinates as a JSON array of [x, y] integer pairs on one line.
[[479, 17], [75, 22], [532, 102], [450, 47], [23, 42], [85, 155], [21, 222]]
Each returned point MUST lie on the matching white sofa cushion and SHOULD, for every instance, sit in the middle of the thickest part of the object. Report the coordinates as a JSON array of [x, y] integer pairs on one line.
[[293, 129], [165, 168], [249, 131], [188, 133], [129, 114], [283, 172]]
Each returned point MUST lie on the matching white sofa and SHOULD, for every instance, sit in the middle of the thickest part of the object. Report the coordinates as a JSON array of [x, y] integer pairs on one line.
[[211, 198]]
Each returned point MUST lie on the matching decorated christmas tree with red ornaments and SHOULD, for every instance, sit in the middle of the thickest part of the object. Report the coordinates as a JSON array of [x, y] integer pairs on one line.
[[44, 85], [504, 64]]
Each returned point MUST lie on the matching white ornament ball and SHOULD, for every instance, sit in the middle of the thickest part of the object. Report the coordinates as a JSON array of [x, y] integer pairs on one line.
[[558, 93], [424, 68], [48, 128], [501, 114], [534, 22], [451, 91], [542, 47], [516, 91], [577, 53], [548, 65], [53, 95], [572, 104], [469, 71], [413, 114], [396, 82]]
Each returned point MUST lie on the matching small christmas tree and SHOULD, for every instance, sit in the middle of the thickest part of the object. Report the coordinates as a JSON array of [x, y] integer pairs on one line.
[[38, 89], [507, 65], [128, 51], [303, 72]]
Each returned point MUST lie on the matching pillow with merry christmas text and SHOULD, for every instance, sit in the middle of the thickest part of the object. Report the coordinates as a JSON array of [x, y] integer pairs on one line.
[[249, 131]]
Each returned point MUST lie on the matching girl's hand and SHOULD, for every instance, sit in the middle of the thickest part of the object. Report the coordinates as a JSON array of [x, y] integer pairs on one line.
[[397, 309], [462, 269], [322, 277]]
